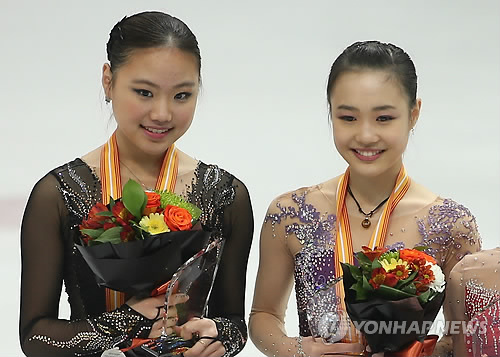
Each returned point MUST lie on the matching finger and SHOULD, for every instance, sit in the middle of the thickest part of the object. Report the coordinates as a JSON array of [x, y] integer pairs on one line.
[[175, 299], [218, 351], [205, 349], [156, 330], [341, 348]]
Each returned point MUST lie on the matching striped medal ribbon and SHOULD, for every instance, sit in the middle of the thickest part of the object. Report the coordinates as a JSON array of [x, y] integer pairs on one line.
[[111, 186], [343, 244]]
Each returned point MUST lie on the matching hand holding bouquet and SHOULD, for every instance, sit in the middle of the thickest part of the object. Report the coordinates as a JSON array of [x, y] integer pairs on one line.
[[393, 297]]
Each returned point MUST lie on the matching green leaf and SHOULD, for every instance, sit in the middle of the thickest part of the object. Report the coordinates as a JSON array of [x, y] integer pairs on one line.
[[366, 285], [361, 294], [424, 297], [93, 233], [376, 264], [406, 281], [133, 198], [112, 203], [111, 235], [363, 259], [105, 213], [392, 294], [410, 289], [355, 272], [389, 255], [421, 248]]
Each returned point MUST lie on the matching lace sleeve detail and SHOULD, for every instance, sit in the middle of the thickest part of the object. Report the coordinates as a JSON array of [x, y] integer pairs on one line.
[[451, 231], [106, 331], [229, 333], [42, 332], [227, 210]]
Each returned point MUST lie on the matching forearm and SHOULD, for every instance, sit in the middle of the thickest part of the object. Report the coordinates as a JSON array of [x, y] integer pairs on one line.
[[269, 336], [51, 337]]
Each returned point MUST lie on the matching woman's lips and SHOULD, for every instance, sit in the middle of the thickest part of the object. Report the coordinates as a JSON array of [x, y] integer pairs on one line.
[[155, 133], [367, 155]]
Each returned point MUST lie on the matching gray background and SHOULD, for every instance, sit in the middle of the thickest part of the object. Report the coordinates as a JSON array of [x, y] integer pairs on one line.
[[262, 114]]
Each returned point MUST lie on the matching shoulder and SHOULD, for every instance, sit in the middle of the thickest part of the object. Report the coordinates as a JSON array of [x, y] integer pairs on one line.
[[448, 208], [48, 188], [221, 187], [322, 191], [76, 164], [213, 175]]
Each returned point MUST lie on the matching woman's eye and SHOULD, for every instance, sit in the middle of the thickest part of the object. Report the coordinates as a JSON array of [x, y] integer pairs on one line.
[[182, 96], [385, 118], [143, 92], [347, 118]]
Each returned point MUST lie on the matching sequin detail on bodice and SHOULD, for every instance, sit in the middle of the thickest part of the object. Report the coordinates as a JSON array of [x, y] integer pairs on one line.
[[482, 307], [315, 230]]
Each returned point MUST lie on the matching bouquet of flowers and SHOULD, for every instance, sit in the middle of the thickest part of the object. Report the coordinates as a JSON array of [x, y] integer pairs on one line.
[[138, 242], [393, 297]]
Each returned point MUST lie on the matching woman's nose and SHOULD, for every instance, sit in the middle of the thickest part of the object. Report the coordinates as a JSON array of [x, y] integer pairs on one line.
[[161, 111]]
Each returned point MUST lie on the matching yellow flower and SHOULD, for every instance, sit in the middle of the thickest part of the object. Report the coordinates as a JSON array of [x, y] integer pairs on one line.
[[154, 224], [390, 265]]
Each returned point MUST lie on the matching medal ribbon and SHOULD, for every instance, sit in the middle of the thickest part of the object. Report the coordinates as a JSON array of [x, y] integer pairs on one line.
[[111, 186], [343, 248]]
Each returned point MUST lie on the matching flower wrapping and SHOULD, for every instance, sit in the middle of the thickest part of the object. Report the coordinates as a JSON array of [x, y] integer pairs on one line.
[[137, 243], [393, 297], [137, 267]]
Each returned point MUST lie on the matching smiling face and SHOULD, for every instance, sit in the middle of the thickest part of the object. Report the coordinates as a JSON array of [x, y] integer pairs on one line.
[[154, 97], [371, 121]]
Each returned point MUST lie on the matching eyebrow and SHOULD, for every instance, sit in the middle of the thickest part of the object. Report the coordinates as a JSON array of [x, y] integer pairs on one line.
[[375, 109], [149, 83]]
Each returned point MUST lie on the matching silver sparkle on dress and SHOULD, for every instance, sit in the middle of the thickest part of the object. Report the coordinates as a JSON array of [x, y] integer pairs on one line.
[[325, 316]]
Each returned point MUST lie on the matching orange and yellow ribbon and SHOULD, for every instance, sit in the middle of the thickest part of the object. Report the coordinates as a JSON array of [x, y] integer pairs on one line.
[[111, 186], [343, 244]]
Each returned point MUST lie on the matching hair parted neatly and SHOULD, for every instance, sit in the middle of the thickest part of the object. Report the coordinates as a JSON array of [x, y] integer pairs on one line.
[[146, 30], [377, 56]]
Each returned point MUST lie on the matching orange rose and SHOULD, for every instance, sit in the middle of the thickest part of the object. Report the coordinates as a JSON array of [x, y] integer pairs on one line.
[[411, 255], [153, 204], [177, 218]]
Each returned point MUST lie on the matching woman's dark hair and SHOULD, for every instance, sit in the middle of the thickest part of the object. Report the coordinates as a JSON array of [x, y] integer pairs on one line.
[[379, 56], [149, 29]]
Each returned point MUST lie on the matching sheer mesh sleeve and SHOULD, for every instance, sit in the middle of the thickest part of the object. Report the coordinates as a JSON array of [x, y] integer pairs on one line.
[[452, 233], [455, 297], [227, 300], [43, 261], [272, 290]]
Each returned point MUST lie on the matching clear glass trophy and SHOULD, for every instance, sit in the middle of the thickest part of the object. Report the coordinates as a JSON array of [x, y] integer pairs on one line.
[[193, 279]]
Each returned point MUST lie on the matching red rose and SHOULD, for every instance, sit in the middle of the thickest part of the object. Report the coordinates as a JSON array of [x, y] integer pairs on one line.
[[153, 204], [177, 218]]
